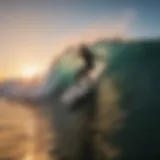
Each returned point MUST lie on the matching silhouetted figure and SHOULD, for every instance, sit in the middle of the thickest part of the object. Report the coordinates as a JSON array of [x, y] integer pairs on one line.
[[89, 59]]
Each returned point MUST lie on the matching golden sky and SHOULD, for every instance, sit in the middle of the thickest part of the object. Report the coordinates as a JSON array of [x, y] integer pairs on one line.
[[32, 32]]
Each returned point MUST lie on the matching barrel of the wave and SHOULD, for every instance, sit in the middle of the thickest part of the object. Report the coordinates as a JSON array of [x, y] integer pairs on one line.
[[76, 114]]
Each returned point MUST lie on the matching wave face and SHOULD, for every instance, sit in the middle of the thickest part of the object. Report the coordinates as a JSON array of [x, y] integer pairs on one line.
[[129, 103]]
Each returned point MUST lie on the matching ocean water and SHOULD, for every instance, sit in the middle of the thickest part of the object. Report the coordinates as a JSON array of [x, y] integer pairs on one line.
[[124, 106], [24, 131]]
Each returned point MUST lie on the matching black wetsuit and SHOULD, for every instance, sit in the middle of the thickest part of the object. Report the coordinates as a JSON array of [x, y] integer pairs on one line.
[[88, 58]]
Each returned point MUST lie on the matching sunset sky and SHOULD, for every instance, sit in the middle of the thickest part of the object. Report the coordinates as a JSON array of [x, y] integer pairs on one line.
[[33, 31]]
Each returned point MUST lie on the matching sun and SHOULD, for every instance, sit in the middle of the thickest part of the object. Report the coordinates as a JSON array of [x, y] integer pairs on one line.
[[29, 72]]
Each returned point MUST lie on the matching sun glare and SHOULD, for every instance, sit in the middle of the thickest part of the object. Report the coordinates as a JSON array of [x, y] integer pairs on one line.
[[29, 72]]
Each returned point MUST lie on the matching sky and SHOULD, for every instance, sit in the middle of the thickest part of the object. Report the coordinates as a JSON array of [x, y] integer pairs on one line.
[[32, 32]]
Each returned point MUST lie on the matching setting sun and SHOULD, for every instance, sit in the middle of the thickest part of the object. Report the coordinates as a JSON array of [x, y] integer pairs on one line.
[[29, 72]]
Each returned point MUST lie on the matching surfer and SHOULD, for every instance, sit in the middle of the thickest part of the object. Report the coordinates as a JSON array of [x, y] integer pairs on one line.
[[88, 57]]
